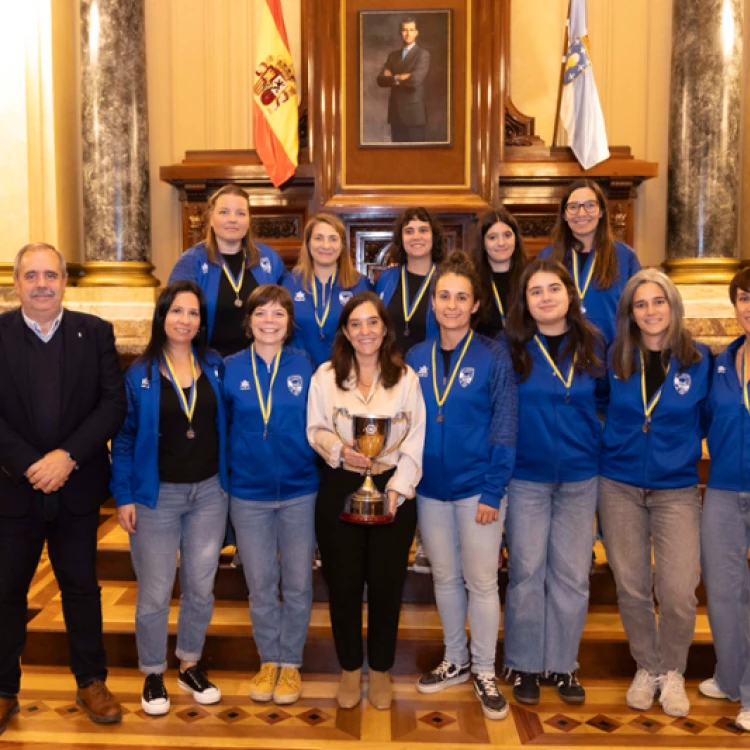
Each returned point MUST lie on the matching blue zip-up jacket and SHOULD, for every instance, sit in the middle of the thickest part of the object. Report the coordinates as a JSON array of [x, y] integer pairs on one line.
[[386, 286], [729, 433], [135, 450], [600, 305], [558, 441], [283, 465], [194, 265], [306, 331], [666, 457], [473, 450]]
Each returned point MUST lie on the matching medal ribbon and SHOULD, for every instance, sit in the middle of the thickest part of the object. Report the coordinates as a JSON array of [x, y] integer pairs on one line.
[[409, 310], [441, 401], [234, 283], [648, 408], [498, 301], [745, 375], [555, 369], [265, 406], [582, 293], [318, 320], [187, 404]]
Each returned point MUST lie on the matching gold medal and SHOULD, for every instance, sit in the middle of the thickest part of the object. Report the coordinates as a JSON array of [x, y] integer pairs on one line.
[[187, 404], [236, 284], [648, 407], [567, 382], [582, 292], [322, 321], [409, 310]]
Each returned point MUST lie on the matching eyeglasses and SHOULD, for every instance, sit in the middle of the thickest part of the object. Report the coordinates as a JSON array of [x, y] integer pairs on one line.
[[590, 207]]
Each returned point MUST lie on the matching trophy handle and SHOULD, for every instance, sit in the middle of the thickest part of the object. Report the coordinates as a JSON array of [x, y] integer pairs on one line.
[[337, 412], [402, 416]]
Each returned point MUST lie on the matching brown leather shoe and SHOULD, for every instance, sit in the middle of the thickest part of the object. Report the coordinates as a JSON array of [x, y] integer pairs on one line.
[[8, 709], [101, 706]]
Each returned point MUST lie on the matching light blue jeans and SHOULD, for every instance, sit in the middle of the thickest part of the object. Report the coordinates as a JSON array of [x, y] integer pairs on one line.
[[550, 530], [464, 555], [191, 519], [633, 519], [725, 540], [276, 541]]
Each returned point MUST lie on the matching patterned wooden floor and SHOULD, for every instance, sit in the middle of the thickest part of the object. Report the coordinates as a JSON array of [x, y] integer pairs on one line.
[[49, 718]]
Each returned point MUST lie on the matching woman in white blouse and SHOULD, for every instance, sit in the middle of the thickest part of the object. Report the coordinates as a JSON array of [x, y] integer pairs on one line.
[[366, 375]]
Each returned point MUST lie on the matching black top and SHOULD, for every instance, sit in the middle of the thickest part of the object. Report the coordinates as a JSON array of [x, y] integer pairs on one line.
[[418, 324], [228, 335], [655, 372], [553, 345], [45, 370], [493, 323], [447, 354], [181, 459]]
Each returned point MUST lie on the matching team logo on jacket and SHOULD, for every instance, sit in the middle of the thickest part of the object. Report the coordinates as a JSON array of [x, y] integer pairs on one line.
[[294, 384], [204, 268], [721, 369], [299, 297], [422, 372], [682, 383], [245, 385], [145, 383], [265, 264], [344, 297], [466, 376]]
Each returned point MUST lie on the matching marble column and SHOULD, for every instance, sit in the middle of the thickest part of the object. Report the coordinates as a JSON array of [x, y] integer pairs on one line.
[[705, 144], [116, 214]]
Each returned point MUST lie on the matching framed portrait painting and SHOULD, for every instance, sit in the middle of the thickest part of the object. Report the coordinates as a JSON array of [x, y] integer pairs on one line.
[[405, 76]]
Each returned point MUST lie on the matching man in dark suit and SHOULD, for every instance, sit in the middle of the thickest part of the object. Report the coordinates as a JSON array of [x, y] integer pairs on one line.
[[61, 399], [404, 73]]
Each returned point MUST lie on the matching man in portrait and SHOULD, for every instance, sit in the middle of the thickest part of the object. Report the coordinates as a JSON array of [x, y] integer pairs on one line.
[[404, 73]]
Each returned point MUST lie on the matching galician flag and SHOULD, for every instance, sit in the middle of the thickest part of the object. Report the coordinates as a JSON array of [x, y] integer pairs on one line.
[[580, 109], [275, 97]]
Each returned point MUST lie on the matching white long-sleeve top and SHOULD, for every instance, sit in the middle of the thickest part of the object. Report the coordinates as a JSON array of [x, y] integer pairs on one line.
[[405, 396]]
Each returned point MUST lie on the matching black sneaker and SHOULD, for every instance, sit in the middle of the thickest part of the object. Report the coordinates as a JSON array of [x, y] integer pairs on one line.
[[443, 676], [568, 687], [494, 706], [194, 680], [526, 688], [155, 699]]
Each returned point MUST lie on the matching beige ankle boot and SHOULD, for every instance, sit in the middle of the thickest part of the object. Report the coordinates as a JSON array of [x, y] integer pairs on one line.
[[350, 690], [380, 691]]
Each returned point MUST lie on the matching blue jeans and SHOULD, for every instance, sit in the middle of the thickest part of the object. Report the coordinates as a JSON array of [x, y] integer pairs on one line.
[[276, 541], [725, 540], [464, 555], [191, 519], [633, 519], [550, 530]]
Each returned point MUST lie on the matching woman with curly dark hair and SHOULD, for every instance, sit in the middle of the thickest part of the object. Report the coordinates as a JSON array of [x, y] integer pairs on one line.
[[418, 245], [366, 375]]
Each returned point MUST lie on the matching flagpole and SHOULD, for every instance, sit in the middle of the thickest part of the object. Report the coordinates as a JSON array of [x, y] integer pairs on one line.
[[562, 76]]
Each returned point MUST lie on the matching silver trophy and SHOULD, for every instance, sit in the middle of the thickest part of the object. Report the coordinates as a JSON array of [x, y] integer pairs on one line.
[[371, 433]]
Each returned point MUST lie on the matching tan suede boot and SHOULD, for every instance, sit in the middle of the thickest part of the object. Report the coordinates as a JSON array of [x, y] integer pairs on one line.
[[380, 692], [350, 690]]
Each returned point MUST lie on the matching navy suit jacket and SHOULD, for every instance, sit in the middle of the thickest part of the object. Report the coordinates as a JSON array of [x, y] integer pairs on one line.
[[93, 409], [407, 105]]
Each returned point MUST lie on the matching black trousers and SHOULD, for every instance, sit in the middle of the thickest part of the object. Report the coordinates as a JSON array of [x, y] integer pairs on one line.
[[352, 555], [71, 543], [407, 133]]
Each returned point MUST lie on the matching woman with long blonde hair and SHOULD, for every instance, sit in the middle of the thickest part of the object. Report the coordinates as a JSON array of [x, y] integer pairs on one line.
[[321, 283]]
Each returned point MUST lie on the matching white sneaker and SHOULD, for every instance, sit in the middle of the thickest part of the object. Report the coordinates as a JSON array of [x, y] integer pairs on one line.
[[710, 689], [743, 720], [640, 695], [673, 698]]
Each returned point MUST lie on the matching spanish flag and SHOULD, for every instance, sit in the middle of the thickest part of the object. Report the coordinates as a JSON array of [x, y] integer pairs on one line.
[[275, 97]]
